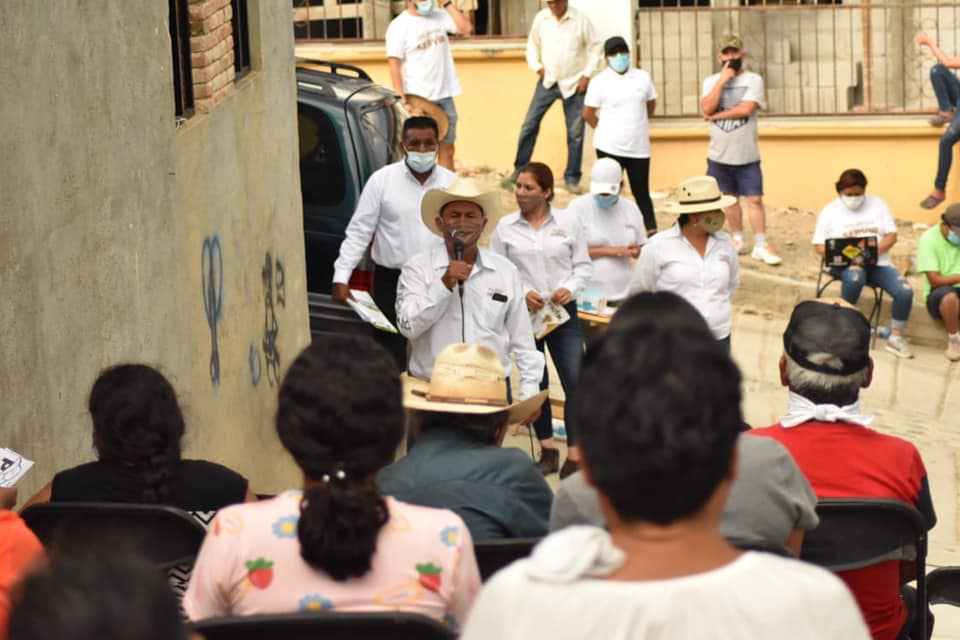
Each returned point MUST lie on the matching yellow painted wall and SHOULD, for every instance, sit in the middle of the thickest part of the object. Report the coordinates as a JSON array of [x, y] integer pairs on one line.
[[802, 157]]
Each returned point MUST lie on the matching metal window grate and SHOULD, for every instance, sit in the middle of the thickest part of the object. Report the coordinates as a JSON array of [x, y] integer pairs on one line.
[[180, 47], [241, 37], [816, 57]]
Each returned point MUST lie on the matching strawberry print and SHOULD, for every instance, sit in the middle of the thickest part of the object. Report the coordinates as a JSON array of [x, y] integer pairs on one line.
[[260, 573], [430, 576]]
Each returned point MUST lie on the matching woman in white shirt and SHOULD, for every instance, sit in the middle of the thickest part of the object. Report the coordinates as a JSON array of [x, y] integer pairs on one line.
[[626, 99], [856, 215], [614, 229], [694, 258], [549, 249]]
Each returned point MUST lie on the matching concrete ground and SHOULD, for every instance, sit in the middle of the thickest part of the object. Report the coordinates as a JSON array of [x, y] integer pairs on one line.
[[914, 399]]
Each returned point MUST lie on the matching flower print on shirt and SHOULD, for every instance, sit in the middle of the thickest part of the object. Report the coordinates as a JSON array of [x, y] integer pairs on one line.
[[286, 527], [450, 536], [314, 602], [430, 576], [260, 573], [227, 522]]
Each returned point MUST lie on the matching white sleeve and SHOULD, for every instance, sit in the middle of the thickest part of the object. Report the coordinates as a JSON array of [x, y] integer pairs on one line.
[[533, 46], [594, 96], [582, 264], [820, 231], [594, 49], [492, 613], [448, 22], [360, 230], [754, 91], [885, 221], [652, 90], [395, 37], [708, 85], [645, 273], [422, 298], [734, 269], [522, 345]]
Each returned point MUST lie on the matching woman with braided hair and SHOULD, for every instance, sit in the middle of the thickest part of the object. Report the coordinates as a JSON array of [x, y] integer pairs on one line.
[[336, 543], [137, 428]]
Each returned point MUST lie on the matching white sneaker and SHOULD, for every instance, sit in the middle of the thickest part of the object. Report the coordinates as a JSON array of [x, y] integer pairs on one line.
[[766, 253], [953, 350], [738, 245], [898, 346]]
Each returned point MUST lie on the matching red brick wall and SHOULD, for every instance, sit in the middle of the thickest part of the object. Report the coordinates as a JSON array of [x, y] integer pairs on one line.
[[211, 52]]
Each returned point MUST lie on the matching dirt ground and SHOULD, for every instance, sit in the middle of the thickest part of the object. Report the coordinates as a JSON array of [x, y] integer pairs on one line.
[[789, 230]]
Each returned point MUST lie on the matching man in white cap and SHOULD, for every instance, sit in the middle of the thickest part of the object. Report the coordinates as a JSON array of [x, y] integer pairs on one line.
[[460, 419], [614, 227], [456, 292]]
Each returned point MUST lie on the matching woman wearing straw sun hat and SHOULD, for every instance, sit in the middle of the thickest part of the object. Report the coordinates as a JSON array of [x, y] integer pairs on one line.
[[694, 258], [460, 418]]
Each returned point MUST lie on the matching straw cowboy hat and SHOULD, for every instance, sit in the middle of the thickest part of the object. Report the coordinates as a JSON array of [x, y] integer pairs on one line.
[[421, 106], [699, 194], [467, 378], [462, 189]]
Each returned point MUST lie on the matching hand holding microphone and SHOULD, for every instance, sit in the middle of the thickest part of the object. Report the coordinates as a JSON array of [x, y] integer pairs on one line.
[[458, 256], [457, 270]]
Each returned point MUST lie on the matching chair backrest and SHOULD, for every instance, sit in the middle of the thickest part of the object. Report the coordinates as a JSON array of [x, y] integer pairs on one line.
[[943, 586], [493, 555], [328, 626], [166, 536]]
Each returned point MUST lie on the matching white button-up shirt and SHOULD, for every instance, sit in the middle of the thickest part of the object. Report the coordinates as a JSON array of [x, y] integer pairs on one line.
[[494, 314], [618, 226], [565, 49], [552, 257], [669, 262], [389, 212]]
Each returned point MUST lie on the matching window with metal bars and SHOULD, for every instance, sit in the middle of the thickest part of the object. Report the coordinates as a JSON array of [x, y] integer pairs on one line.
[[179, 24], [241, 37]]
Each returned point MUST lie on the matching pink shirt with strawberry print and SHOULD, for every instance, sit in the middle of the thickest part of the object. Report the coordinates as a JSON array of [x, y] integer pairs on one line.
[[250, 564]]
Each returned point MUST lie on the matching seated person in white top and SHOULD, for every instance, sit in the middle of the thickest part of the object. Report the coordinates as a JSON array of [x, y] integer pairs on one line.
[[388, 213], [457, 292], [771, 503], [694, 258], [664, 415], [856, 215], [614, 229]]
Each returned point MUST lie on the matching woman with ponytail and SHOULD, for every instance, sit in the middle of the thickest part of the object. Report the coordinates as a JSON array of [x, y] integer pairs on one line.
[[137, 428], [336, 544]]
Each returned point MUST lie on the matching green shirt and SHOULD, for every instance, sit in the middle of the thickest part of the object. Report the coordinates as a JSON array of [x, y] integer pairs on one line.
[[934, 253]]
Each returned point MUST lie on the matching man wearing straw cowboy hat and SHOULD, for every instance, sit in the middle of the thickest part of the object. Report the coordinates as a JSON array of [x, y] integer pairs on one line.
[[456, 292], [457, 463], [694, 258]]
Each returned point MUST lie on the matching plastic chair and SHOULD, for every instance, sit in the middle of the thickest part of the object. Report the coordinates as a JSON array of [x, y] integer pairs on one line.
[[860, 532], [164, 535], [493, 555], [328, 626], [943, 586], [873, 317]]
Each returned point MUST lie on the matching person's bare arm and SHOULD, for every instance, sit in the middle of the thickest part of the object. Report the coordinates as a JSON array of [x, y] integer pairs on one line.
[[251, 496], [711, 102], [926, 41], [40, 496], [464, 26], [794, 541], [651, 107], [743, 110], [937, 279], [396, 79], [886, 242], [590, 116], [609, 251], [8, 497], [820, 249]]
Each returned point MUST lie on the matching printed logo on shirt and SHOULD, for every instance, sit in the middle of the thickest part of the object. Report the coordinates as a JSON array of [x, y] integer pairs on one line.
[[558, 233], [431, 39], [731, 97], [861, 232]]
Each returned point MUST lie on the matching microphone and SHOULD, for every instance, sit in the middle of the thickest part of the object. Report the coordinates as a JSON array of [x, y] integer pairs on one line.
[[457, 255]]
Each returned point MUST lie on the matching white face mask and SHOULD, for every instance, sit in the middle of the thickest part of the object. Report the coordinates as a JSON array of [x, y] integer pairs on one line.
[[852, 202]]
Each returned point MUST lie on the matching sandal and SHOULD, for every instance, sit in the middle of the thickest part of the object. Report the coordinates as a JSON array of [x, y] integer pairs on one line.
[[930, 202]]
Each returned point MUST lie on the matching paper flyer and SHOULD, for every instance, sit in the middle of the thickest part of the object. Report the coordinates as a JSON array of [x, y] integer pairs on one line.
[[551, 316], [367, 309], [13, 466]]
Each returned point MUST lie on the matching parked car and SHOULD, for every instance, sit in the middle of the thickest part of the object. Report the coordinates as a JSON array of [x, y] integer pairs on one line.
[[349, 127]]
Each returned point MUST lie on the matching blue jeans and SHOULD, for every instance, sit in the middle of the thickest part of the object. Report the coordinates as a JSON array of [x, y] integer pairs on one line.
[[947, 89], [566, 349], [572, 113], [887, 278]]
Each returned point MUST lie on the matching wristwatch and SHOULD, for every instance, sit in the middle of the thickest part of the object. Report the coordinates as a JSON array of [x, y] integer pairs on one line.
[[446, 4]]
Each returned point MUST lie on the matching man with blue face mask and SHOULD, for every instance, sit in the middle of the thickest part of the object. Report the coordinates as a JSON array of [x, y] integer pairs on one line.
[[388, 212], [626, 98], [421, 63], [938, 257], [614, 228]]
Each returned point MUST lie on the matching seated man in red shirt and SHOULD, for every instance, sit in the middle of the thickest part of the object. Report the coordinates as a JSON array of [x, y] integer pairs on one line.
[[826, 361]]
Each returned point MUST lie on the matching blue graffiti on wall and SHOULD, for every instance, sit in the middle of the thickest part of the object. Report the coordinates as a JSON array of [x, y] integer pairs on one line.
[[256, 365], [211, 277], [271, 328]]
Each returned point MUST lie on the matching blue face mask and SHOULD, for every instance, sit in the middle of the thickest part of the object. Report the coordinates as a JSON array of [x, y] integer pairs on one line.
[[953, 237], [620, 62], [421, 161], [606, 201], [424, 8]]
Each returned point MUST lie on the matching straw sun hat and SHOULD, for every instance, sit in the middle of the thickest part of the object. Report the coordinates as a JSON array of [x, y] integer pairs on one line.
[[467, 378], [462, 189], [699, 194]]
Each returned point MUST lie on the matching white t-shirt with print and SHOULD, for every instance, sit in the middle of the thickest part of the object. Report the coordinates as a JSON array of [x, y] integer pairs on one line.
[[873, 218], [734, 141], [618, 226], [421, 43], [623, 127]]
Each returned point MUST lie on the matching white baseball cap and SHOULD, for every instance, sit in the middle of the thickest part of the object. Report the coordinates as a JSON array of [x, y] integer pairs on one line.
[[606, 176]]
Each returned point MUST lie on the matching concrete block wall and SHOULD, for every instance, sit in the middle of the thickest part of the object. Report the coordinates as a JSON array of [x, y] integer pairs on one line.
[[211, 52]]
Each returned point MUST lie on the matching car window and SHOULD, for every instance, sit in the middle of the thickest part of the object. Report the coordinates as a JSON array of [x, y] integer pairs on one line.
[[322, 177]]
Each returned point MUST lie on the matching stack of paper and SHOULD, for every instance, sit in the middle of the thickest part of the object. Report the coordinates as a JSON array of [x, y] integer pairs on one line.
[[367, 309], [12, 467]]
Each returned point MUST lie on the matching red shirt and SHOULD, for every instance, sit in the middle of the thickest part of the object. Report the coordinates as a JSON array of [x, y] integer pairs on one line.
[[844, 460], [19, 550]]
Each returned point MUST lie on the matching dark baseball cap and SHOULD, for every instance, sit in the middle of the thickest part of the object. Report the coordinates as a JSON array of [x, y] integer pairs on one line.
[[952, 215], [828, 336], [613, 44]]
